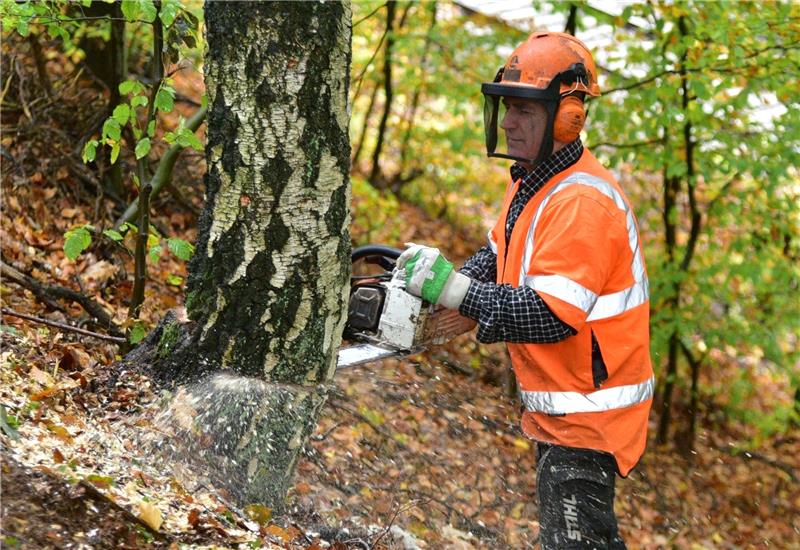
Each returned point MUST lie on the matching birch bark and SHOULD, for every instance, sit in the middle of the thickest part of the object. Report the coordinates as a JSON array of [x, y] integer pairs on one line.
[[268, 284]]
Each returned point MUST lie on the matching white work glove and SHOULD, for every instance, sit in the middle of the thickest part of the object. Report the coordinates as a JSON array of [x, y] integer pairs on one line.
[[430, 276]]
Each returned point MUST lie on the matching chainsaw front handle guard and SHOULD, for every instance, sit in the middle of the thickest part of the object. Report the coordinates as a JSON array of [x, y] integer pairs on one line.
[[384, 256]]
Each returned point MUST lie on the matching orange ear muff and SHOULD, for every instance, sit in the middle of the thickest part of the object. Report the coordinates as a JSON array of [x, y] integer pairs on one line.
[[569, 119]]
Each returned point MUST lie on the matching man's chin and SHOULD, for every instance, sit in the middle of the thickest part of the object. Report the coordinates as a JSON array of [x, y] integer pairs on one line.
[[512, 152]]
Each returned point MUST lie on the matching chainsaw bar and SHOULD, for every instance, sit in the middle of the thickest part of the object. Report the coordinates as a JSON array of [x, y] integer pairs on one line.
[[367, 353]]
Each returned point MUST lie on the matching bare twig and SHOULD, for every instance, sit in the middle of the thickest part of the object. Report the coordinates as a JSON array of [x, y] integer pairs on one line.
[[62, 326], [370, 14], [48, 293]]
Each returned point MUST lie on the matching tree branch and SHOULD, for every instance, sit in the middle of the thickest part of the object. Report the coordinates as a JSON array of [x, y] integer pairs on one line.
[[47, 293], [704, 69], [63, 326]]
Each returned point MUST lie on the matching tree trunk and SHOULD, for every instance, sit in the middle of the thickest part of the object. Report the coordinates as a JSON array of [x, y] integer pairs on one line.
[[375, 172], [268, 284], [118, 74]]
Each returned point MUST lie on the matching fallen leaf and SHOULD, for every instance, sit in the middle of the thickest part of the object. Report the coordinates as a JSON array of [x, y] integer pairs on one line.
[[102, 482], [100, 271], [151, 515], [60, 432], [194, 517], [40, 376], [58, 457], [522, 443], [258, 513], [280, 532], [44, 394]]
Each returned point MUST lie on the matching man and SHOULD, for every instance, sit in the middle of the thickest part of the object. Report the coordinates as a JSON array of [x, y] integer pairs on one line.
[[563, 282]]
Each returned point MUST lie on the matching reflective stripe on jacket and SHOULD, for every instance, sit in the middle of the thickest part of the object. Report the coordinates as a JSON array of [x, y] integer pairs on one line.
[[576, 243]]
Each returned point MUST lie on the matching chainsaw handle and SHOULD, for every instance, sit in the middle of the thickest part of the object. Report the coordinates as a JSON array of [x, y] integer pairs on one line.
[[379, 254]]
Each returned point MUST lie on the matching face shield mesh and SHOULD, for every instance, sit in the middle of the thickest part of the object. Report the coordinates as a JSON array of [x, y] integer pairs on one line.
[[491, 105], [494, 112]]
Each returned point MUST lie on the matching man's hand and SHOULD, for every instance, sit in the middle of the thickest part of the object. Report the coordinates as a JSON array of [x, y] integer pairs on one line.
[[430, 276]]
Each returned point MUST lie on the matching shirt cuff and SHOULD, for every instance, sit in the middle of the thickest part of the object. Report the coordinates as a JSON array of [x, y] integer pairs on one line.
[[471, 305]]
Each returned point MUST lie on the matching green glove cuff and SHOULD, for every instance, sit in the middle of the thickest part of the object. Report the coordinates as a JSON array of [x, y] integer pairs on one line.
[[432, 288], [435, 281]]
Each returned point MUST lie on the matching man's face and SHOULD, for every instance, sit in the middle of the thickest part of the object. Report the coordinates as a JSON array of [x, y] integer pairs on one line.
[[524, 124]]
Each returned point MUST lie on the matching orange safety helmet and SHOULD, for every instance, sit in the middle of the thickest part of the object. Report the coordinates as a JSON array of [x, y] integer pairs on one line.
[[548, 67]]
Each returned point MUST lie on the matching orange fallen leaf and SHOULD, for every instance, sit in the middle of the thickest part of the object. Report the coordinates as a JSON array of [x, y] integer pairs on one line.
[[194, 517], [279, 532]]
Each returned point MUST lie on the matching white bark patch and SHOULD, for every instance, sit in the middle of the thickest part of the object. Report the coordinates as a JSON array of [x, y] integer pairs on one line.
[[212, 319], [302, 316]]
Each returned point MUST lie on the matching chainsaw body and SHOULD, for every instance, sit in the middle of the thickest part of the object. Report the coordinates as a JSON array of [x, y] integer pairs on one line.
[[386, 321]]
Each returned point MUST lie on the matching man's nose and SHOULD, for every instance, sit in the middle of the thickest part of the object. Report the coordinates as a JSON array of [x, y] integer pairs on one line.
[[508, 121]]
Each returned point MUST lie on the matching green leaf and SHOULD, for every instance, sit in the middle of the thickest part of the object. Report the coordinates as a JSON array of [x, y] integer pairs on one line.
[[122, 113], [76, 241], [131, 86], [90, 150], [113, 235], [148, 9], [133, 10], [114, 152], [142, 148], [8, 424], [112, 129], [139, 101], [170, 137], [130, 9], [154, 252], [22, 26], [137, 333], [180, 248], [174, 280], [187, 138], [151, 128], [8, 329], [169, 10], [164, 99]]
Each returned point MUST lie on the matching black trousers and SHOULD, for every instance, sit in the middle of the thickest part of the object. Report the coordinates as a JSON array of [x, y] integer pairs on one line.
[[575, 488]]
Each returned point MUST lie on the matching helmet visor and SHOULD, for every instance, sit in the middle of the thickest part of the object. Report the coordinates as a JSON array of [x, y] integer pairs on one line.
[[494, 112]]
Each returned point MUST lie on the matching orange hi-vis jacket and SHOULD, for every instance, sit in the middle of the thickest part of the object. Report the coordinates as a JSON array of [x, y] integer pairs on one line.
[[576, 243]]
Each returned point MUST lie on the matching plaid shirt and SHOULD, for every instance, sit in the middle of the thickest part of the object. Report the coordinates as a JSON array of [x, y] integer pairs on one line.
[[504, 313]]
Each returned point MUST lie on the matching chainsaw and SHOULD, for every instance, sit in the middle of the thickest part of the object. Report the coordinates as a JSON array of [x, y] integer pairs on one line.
[[385, 321]]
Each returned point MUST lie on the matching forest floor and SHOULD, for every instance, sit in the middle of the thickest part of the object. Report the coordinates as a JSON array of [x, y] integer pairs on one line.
[[423, 452]]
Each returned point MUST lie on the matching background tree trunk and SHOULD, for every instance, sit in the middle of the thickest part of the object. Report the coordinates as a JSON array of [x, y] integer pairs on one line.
[[269, 281]]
